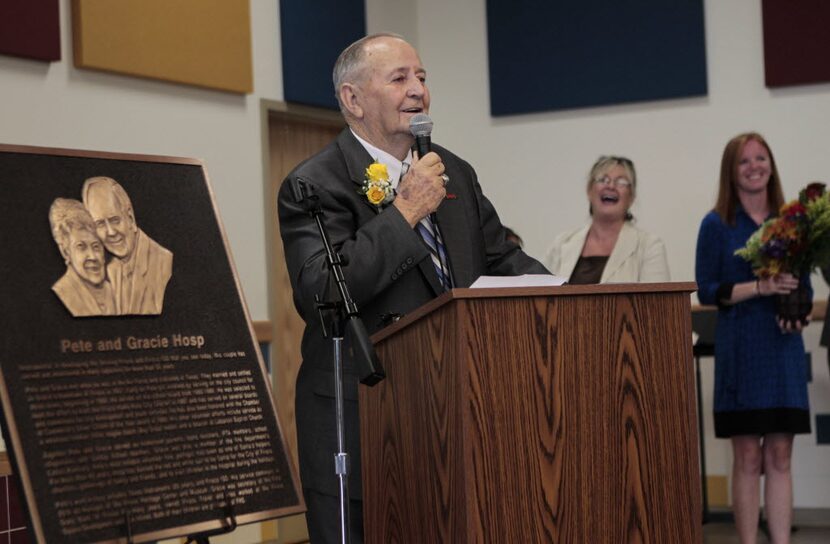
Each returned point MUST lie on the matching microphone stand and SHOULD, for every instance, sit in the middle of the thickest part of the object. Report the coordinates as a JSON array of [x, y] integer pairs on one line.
[[344, 318]]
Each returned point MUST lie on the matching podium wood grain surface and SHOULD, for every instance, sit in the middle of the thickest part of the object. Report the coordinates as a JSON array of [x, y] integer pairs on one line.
[[560, 414]]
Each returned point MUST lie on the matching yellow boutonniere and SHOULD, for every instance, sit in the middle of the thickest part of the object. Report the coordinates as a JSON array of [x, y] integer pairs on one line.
[[377, 187], [377, 172]]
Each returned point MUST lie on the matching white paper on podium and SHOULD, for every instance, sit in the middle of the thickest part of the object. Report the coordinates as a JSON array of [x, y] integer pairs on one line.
[[526, 280]]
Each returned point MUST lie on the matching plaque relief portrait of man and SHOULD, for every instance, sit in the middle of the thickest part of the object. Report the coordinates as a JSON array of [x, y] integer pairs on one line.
[[139, 268], [84, 288]]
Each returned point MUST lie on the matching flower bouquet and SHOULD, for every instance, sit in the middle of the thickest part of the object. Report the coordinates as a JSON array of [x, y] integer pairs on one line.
[[796, 241]]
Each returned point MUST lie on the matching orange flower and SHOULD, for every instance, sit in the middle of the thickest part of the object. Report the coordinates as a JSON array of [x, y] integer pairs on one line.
[[375, 194]]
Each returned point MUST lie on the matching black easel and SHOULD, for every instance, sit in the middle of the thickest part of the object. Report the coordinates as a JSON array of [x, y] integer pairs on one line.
[[343, 317], [198, 538], [128, 527], [204, 536]]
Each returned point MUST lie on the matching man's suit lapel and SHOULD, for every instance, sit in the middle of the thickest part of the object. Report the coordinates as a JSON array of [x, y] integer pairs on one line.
[[357, 160], [427, 269], [451, 222]]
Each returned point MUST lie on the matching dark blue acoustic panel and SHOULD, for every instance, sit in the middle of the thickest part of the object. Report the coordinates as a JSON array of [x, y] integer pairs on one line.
[[822, 429], [554, 54], [314, 32]]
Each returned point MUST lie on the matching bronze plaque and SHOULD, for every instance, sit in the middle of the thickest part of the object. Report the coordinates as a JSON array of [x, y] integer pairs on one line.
[[132, 385]]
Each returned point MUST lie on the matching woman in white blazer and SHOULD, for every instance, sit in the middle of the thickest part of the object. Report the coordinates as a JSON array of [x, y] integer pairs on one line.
[[610, 249]]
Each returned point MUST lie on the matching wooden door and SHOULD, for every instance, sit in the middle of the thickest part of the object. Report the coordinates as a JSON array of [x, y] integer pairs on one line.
[[292, 134]]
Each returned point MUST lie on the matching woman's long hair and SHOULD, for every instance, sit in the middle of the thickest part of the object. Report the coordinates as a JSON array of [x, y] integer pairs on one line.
[[727, 188]]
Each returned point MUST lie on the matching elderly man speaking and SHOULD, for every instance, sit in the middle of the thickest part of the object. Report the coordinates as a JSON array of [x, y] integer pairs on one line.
[[404, 241]]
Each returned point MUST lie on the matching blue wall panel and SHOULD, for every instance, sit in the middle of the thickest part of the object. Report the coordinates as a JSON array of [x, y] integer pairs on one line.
[[555, 54], [314, 32], [823, 429]]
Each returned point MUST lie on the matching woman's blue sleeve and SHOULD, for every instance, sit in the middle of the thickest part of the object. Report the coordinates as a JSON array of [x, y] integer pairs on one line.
[[710, 240]]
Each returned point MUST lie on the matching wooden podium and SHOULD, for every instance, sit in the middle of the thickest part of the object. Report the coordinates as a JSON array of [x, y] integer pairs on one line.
[[555, 414]]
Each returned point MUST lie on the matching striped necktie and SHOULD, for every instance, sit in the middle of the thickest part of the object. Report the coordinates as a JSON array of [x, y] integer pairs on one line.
[[435, 243], [437, 251]]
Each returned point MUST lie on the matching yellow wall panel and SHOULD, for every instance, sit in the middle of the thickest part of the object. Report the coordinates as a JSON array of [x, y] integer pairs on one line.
[[197, 42]]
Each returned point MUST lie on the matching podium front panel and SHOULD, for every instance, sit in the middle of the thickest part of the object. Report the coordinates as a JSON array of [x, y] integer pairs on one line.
[[567, 418]]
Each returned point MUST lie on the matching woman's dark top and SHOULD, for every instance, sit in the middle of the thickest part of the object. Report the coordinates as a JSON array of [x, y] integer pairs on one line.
[[588, 270]]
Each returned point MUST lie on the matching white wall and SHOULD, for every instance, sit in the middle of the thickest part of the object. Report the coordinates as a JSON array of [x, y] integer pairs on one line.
[[532, 166]]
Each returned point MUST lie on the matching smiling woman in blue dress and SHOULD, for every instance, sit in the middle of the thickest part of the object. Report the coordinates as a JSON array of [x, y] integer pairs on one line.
[[760, 373], [609, 249]]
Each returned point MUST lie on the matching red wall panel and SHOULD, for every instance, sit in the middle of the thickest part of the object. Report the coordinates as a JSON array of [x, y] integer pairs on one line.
[[796, 42], [30, 28]]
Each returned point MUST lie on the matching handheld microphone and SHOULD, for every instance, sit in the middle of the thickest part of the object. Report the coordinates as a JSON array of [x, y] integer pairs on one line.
[[421, 127]]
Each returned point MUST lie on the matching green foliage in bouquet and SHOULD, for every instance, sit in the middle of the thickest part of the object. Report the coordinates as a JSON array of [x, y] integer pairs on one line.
[[797, 240]]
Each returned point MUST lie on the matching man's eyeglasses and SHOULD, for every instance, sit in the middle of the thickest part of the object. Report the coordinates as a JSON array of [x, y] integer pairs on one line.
[[606, 181]]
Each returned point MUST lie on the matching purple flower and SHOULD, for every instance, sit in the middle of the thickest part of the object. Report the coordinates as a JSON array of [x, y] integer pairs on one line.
[[774, 249]]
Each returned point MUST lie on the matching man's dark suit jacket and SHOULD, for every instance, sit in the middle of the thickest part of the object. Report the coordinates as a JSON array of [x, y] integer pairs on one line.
[[389, 271]]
